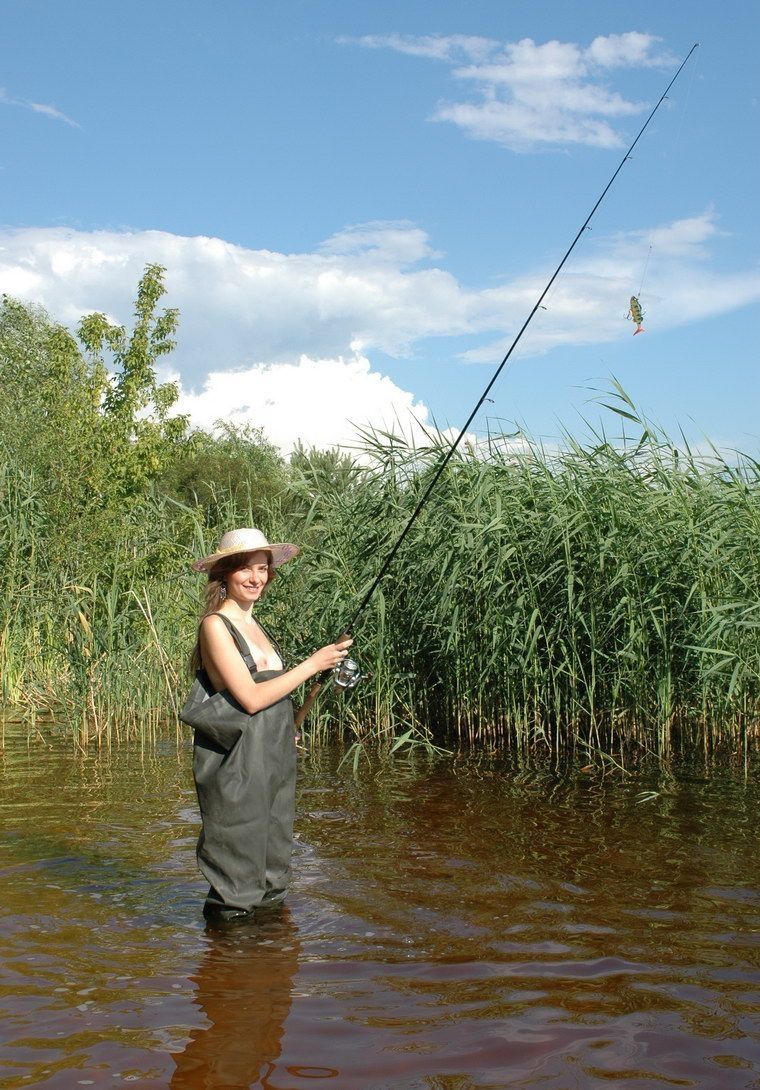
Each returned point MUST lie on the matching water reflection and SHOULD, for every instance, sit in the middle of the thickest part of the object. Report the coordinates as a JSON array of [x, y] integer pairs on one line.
[[244, 988], [451, 925]]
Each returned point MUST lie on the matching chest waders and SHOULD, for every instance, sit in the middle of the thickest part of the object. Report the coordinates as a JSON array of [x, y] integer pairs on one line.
[[247, 801]]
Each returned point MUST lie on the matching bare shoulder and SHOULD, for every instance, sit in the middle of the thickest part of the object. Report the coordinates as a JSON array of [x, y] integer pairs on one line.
[[213, 627], [213, 621]]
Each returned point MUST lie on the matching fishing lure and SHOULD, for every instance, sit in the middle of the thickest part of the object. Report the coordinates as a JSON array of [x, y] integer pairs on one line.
[[636, 314]]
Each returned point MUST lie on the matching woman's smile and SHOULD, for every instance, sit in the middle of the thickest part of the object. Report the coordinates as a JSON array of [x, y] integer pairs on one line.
[[249, 580]]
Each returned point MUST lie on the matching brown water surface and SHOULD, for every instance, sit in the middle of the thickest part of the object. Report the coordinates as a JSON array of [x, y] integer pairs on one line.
[[452, 926]]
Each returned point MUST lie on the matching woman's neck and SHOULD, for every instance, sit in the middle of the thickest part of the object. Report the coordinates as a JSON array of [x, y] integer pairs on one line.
[[237, 611]]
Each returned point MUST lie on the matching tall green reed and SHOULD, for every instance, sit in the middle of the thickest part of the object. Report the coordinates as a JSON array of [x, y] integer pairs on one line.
[[604, 595]]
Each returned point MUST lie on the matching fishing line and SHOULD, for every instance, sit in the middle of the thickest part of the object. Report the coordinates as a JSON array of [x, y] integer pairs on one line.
[[646, 266], [454, 446], [676, 142]]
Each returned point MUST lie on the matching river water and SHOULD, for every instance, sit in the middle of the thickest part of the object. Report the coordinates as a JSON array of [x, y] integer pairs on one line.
[[453, 925]]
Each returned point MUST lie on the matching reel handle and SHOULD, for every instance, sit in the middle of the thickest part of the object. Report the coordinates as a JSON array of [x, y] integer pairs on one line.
[[313, 692]]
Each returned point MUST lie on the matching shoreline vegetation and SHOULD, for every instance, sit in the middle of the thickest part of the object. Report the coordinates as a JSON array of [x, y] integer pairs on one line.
[[600, 597]]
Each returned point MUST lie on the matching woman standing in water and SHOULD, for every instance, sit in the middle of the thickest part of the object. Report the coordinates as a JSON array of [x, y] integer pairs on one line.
[[247, 793]]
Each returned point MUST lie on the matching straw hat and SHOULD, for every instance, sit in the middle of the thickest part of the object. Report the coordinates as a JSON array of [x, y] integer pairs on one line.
[[247, 540]]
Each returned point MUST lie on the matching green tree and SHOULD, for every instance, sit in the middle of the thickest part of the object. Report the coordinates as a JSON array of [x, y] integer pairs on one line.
[[49, 416], [138, 435], [235, 467]]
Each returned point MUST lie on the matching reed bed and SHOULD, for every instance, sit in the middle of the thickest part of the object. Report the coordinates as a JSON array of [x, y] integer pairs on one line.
[[605, 596]]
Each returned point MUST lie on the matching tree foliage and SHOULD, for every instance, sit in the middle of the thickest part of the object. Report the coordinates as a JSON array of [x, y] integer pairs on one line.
[[137, 431], [235, 462], [89, 418]]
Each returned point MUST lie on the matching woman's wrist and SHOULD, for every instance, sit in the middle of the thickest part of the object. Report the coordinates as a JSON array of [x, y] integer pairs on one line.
[[306, 669]]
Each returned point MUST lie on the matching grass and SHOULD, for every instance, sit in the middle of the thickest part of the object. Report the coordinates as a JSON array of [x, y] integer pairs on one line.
[[605, 596]]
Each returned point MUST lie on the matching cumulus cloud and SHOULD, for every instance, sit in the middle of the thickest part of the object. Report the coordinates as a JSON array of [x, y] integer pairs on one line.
[[366, 287], [527, 94], [268, 338], [684, 238], [322, 402], [38, 108], [285, 340], [632, 50]]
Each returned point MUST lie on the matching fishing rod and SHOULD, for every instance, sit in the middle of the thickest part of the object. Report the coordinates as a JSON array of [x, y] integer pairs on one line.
[[347, 674]]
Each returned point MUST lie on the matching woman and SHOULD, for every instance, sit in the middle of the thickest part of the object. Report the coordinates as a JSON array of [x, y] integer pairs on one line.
[[246, 794]]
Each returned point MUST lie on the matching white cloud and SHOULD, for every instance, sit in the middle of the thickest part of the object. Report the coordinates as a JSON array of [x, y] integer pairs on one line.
[[528, 95], [266, 337], [38, 108], [285, 340], [682, 238], [454, 48], [385, 242], [631, 49], [318, 401], [667, 266], [362, 289]]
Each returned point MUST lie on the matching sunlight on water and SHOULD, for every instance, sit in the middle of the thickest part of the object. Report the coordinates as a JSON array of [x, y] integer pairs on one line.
[[451, 926]]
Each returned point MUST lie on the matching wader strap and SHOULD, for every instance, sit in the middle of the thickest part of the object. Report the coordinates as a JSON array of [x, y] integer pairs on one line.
[[239, 639]]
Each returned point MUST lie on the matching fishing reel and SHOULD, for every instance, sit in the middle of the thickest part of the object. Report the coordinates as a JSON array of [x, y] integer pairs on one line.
[[347, 674]]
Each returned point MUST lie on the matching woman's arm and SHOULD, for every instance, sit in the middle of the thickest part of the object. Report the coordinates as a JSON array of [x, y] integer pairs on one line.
[[224, 665]]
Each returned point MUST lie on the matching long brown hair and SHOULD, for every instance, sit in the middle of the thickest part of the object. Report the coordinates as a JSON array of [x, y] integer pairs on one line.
[[213, 596]]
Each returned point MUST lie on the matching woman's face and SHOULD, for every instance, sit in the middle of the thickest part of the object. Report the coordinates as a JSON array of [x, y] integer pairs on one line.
[[247, 582]]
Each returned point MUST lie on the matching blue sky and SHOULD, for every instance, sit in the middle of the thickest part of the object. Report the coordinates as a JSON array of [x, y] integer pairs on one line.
[[357, 203]]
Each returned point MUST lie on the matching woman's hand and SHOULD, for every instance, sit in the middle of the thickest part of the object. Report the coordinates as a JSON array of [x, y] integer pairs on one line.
[[327, 658]]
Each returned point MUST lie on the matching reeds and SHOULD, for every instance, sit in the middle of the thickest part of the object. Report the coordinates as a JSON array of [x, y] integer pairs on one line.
[[603, 595]]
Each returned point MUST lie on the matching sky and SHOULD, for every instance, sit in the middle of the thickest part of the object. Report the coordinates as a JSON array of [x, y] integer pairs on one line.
[[358, 203]]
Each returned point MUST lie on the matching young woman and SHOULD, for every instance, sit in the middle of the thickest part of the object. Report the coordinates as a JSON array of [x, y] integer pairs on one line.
[[246, 794]]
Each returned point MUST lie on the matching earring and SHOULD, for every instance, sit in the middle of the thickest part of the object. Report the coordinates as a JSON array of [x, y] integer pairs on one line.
[[223, 592]]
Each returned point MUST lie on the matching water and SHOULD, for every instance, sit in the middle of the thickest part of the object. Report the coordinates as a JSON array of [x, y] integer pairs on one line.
[[452, 926]]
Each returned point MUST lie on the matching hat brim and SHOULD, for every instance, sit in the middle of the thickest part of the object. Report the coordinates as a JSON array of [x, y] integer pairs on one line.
[[281, 553]]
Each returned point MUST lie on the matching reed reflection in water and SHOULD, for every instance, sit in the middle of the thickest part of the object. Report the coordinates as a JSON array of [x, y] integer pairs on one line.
[[452, 926]]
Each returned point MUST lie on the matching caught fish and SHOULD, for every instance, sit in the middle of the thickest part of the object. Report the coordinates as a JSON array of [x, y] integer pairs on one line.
[[636, 314]]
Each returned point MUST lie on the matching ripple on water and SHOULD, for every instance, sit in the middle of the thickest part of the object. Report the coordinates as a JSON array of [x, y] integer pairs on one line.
[[450, 927]]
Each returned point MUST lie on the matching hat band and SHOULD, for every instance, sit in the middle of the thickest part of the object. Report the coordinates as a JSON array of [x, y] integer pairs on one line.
[[242, 549]]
